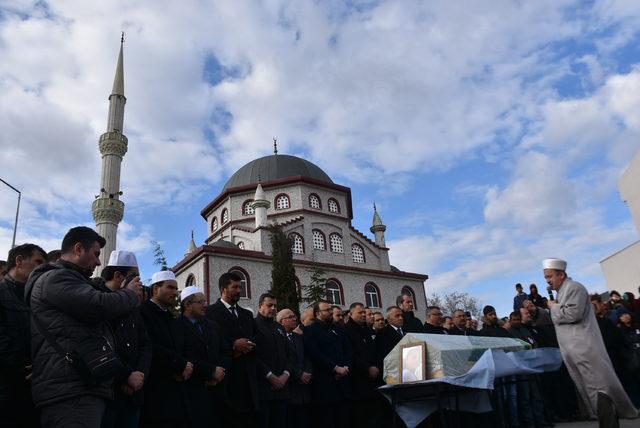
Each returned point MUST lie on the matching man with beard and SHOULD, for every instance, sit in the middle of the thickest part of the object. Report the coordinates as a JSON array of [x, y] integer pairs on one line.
[[330, 354], [165, 402], [433, 325], [411, 324], [582, 348], [536, 298], [364, 373], [198, 339], [68, 313], [239, 330], [16, 405], [459, 327], [490, 325], [378, 322]]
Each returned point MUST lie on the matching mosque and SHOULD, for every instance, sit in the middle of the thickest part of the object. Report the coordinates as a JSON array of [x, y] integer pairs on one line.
[[314, 211]]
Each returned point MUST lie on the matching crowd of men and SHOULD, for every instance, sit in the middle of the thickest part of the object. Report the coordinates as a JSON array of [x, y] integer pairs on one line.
[[110, 352]]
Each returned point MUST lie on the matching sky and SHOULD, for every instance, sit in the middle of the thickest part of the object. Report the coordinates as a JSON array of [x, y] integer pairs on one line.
[[491, 135]]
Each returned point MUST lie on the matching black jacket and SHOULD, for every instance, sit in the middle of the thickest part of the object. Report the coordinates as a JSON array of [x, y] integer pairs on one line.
[[455, 331], [67, 304], [241, 381], [364, 357], [411, 323], [299, 392], [328, 347], [274, 355], [201, 344], [386, 340], [165, 399], [523, 333], [493, 330], [434, 329]]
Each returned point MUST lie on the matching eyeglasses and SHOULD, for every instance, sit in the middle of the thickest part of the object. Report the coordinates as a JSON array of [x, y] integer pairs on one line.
[[200, 302], [439, 314]]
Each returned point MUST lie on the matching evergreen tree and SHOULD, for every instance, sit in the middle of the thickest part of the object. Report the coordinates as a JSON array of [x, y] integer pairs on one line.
[[283, 274], [316, 290], [159, 258]]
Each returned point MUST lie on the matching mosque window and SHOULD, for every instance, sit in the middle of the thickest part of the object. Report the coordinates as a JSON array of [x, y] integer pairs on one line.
[[336, 243], [241, 245], [372, 295], [318, 240], [282, 202], [314, 201], [334, 292], [214, 224], [409, 292], [224, 216], [297, 247], [357, 253], [247, 209], [333, 205], [245, 284], [191, 280]]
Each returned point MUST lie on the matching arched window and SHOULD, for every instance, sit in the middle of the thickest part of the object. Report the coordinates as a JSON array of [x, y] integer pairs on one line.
[[247, 209], [214, 224], [333, 205], [224, 216], [357, 253], [245, 284], [409, 292], [241, 245], [372, 295], [282, 202], [314, 201], [318, 240], [298, 244], [191, 280], [334, 292], [336, 243]]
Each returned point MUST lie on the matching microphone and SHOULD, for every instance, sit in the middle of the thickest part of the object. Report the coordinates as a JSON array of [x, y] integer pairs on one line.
[[550, 293]]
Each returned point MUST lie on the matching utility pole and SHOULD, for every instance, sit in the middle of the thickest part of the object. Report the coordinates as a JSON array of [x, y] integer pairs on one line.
[[15, 224]]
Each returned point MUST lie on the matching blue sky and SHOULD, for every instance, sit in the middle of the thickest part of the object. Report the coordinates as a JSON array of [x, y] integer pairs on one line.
[[490, 134]]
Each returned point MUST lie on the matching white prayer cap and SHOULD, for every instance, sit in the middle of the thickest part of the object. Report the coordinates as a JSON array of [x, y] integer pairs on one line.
[[163, 275], [122, 258], [556, 264], [189, 291]]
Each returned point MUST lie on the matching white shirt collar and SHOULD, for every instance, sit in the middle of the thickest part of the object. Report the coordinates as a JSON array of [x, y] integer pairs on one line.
[[226, 305]]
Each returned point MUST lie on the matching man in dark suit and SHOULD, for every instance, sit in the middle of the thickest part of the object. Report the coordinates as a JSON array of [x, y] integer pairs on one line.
[[364, 373], [301, 375], [460, 324], [433, 325], [165, 400], [238, 329], [330, 354], [199, 340], [390, 335], [275, 364]]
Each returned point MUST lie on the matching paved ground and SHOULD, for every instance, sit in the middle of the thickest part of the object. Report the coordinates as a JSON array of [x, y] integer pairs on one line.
[[623, 424]]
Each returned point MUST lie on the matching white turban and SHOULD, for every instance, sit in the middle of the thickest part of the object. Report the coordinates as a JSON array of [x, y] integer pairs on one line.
[[163, 275], [189, 291], [122, 258], [556, 264]]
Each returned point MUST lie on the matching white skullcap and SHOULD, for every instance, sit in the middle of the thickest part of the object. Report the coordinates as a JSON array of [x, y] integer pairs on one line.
[[163, 275], [122, 258], [189, 291], [556, 264]]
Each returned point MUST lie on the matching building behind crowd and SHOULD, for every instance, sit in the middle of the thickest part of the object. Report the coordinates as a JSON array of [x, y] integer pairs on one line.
[[622, 269], [316, 213]]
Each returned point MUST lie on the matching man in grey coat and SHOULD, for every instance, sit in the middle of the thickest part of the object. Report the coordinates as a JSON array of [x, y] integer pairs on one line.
[[65, 302], [583, 350]]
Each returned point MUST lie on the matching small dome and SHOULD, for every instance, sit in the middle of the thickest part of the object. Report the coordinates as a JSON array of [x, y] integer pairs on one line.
[[274, 167], [224, 244]]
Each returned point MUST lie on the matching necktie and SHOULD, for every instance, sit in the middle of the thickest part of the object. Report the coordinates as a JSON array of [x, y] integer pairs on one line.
[[233, 311], [198, 326], [289, 337], [400, 331]]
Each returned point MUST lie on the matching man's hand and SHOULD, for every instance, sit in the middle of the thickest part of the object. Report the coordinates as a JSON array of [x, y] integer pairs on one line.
[[242, 346], [284, 377], [126, 389], [373, 372], [135, 380], [136, 286], [276, 382], [305, 379], [551, 303], [341, 372], [188, 371], [218, 374]]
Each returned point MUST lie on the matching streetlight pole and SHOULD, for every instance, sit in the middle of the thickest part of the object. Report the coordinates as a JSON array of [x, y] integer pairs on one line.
[[15, 224]]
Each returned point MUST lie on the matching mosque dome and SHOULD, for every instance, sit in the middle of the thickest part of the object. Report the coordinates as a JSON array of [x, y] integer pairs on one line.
[[274, 167]]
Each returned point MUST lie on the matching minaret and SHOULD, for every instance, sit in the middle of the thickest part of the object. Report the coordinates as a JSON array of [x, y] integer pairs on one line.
[[378, 228], [260, 205], [192, 245], [108, 209]]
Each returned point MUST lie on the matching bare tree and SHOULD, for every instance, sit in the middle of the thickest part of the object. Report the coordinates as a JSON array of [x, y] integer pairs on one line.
[[449, 302]]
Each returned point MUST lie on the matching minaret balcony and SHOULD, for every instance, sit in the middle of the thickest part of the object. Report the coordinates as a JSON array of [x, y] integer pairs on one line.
[[107, 210], [113, 143]]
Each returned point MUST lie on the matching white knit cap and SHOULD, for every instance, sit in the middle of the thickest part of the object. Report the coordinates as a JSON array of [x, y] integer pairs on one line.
[[122, 259], [163, 275], [188, 291], [556, 264]]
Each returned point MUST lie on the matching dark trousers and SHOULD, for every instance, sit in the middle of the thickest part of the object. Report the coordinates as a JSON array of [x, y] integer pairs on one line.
[[298, 415], [84, 411], [233, 418], [121, 413], [332, 415], [366, 413], [272, 414], [16, 405]]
